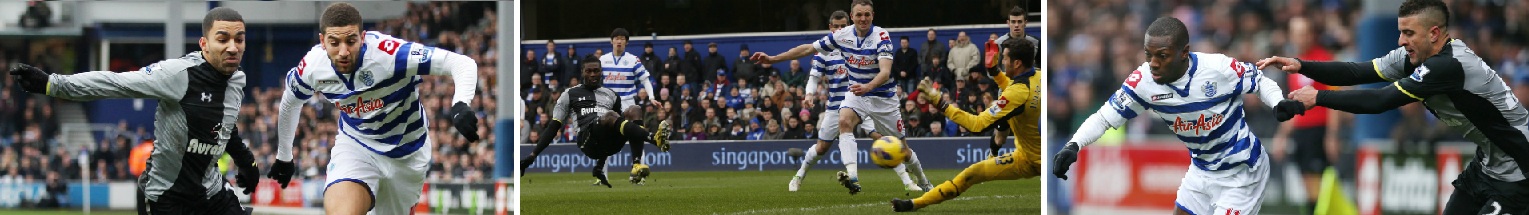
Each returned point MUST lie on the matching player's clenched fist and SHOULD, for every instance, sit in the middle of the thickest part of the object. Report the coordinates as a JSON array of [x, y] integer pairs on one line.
[[465, 120], [282, 172], [32, 79], [1064, 160]]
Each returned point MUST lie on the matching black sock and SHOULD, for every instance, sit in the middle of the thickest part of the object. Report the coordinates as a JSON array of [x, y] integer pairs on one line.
[[636, 136]]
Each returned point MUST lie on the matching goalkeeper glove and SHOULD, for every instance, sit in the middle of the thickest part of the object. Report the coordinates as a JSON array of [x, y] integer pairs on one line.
[[32, 79], [1064, 160], [282, 171], [929, 94], [465, 120]]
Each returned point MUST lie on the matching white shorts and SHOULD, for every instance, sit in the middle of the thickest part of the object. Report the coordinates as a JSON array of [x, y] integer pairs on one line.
[[828, 125], [882, 112], [395, 183], [1239, 193], [627, 103]]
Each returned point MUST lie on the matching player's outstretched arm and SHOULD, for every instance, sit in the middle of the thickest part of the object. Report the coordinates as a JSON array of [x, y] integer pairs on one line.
[[1360, 101], [156, 81], [1112, 115], [1383, 69], [795, 52], [289, 110], [1011, 103], [548, 133]]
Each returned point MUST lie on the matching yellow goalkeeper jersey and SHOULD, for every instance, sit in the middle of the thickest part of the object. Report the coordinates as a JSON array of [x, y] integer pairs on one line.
[[1019, 104]]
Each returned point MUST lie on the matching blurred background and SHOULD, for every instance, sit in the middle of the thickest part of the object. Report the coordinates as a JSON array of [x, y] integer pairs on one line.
[[42, 139], [1398, 162]]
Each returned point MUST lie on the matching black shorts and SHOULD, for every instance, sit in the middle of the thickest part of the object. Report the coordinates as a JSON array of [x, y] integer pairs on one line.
[[600, 141], [224, 202], [1310, 153], [1477, 193]]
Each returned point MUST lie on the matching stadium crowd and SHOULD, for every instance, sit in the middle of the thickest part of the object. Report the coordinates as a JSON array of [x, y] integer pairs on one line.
[[1103, 45], [721, 96], [28, 134]]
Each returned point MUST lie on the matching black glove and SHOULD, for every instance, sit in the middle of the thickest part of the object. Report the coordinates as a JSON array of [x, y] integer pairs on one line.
[[526, 163], [1064, 160], [32, 79], [282, 171], [248, 177], [466, 121], [1288, 109]]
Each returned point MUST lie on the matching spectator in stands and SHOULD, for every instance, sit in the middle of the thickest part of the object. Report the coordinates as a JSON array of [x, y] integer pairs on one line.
[[940, 75], [552, 63], [905, 64], [697, 131], [963, 56], [772, 131], [714, 61], [569, 71], [529, 64], [793, 129], [651, 61], [795, 77], [932, 50], [745, 70], [692, 63]]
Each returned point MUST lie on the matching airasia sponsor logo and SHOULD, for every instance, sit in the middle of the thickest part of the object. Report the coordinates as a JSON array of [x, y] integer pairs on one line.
[[1197, 125]]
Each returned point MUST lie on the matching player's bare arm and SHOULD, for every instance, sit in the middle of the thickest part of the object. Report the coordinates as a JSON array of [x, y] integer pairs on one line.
[[800, 51]]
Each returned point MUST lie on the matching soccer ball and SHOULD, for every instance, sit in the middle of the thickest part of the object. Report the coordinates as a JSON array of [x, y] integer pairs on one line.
[[888, 152]]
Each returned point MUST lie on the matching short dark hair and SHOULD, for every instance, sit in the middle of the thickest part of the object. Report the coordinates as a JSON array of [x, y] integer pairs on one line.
[[902, 38], [620, 32], [1171, 27], [590, 60], [1425, 7], [220, 14], [1017, 11], [647, 45], [1021, 49], [861, 2], [837, 15], [340, 14], [553, 42], [687, 42]]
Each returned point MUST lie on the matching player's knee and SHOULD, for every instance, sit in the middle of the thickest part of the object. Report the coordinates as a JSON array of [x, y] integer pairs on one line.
[[347, 198], [633, 113]]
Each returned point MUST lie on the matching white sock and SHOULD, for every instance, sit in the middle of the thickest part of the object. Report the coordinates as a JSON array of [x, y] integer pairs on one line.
[[902, 173], [850, 154], [807, 162], [916, 168]]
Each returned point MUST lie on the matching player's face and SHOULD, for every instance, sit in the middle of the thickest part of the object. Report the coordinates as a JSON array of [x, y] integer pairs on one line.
[[592, 75], [862, 15], [1167, 63], [223, 45], [618, 44], [1416, 38], [1017, 25], [343, 45], [1013, 66], [835, 25]]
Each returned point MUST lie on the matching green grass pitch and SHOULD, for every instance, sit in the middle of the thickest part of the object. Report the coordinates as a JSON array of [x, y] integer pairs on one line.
[[754, 192]]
